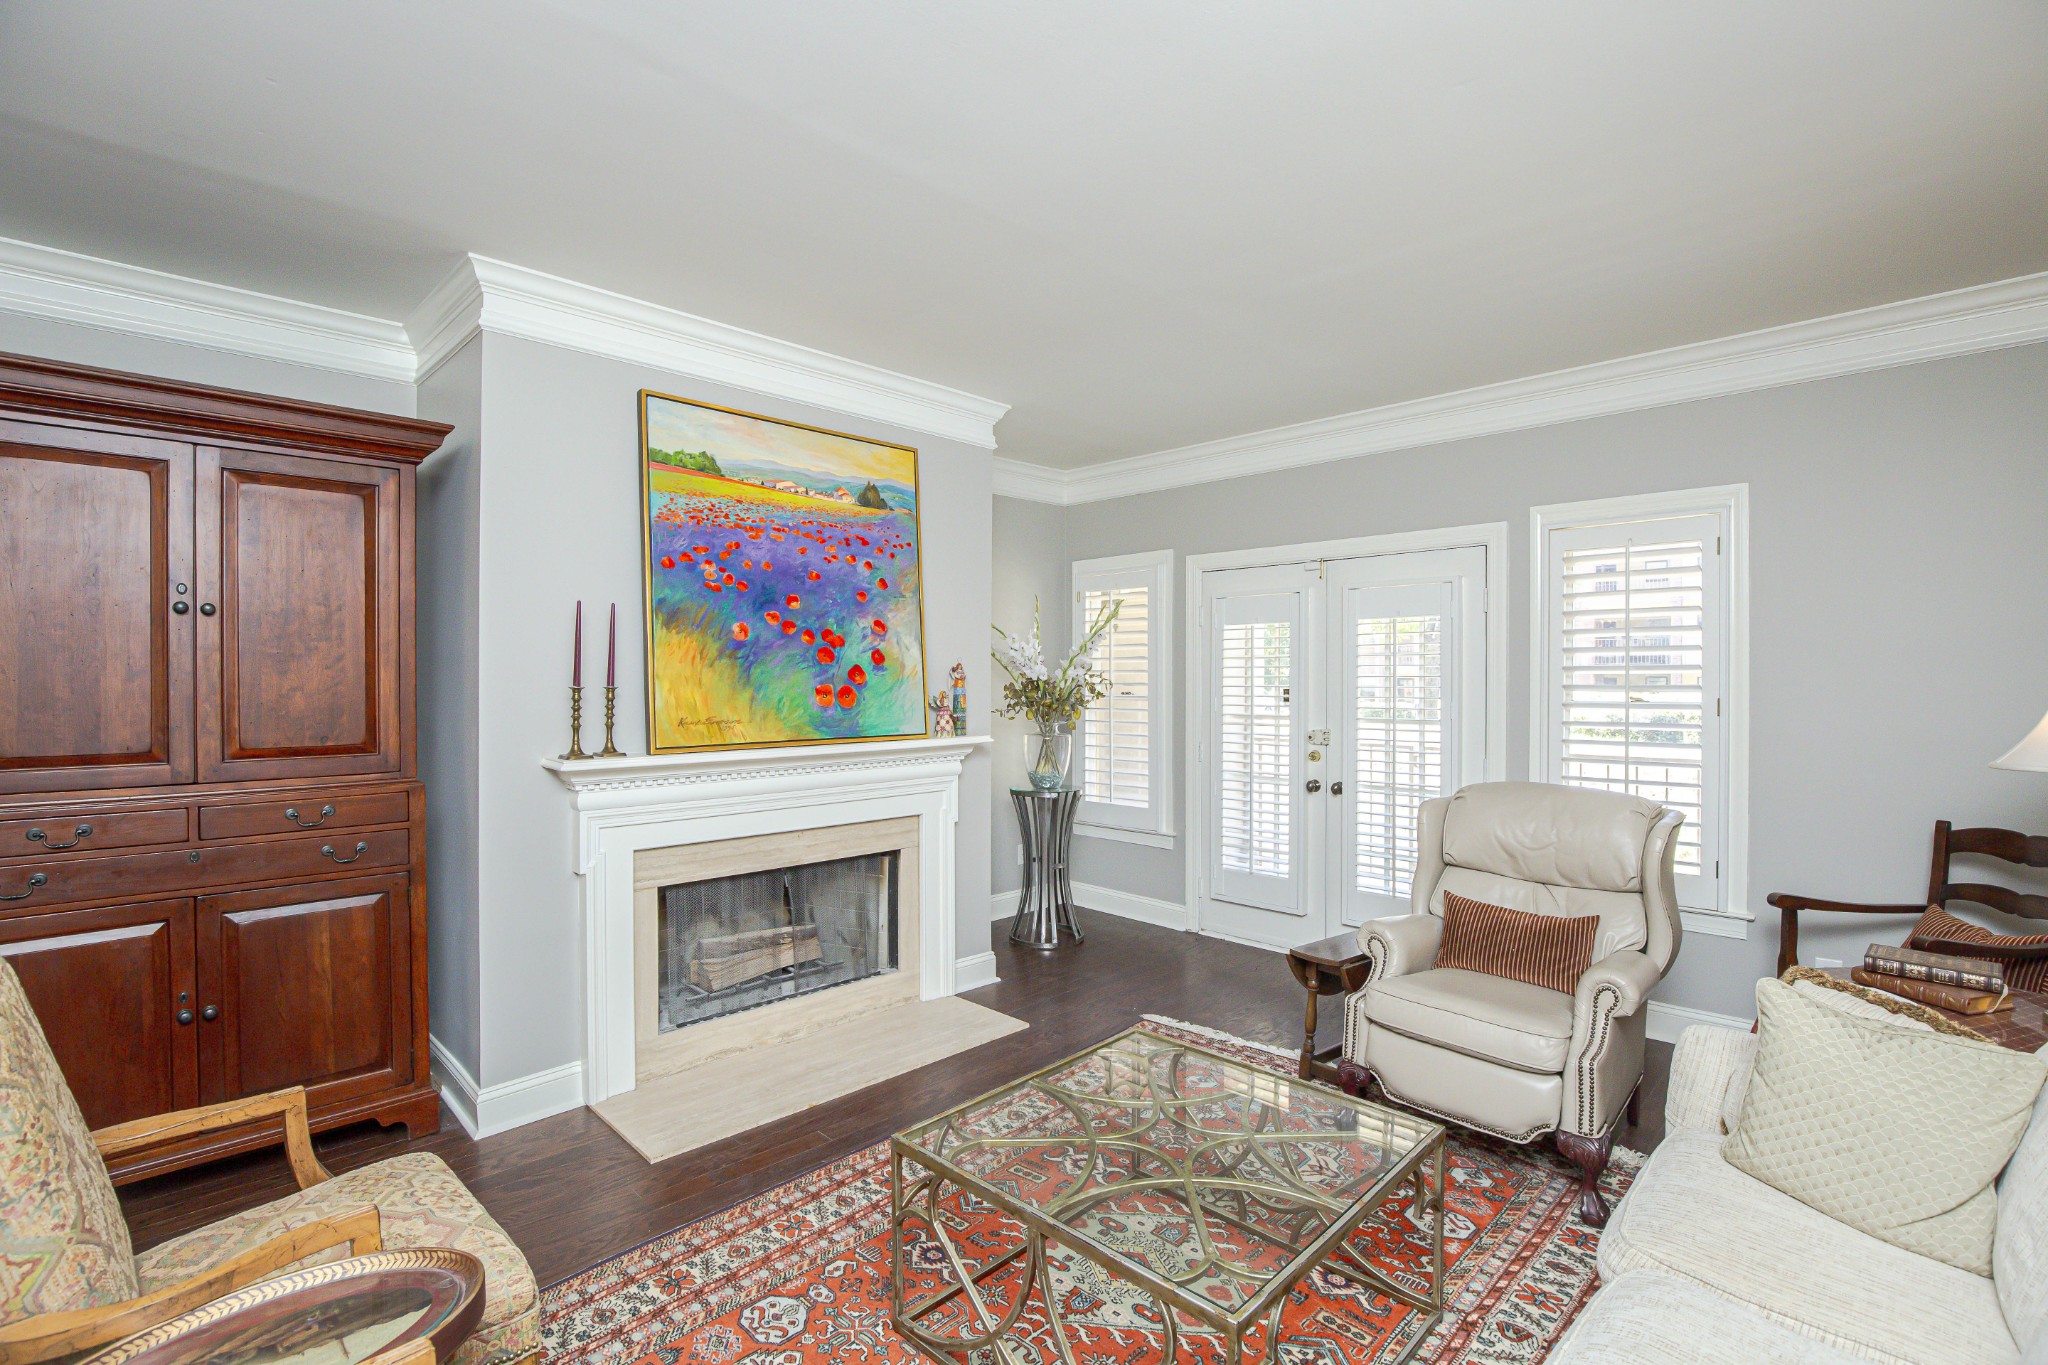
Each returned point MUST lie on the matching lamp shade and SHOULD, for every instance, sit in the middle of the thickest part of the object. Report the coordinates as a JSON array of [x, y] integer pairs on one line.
[[2030, 754]]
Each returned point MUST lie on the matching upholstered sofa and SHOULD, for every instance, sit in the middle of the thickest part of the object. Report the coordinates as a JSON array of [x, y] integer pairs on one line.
[[1504, 1056], [1702, 1264]]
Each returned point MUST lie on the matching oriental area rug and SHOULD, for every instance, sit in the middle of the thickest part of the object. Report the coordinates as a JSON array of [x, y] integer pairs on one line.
[[800, 1275]]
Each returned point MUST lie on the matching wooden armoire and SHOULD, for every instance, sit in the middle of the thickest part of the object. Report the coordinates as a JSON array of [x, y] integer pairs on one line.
[[212, 863]]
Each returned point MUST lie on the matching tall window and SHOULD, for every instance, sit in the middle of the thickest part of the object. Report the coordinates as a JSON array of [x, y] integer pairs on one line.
[[1122, 744], [1640, 632]]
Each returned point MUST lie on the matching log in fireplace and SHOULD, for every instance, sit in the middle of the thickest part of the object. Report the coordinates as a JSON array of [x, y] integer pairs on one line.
[[732, 943]]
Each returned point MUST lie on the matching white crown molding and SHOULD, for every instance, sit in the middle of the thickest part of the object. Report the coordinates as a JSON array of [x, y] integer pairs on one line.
[[1032, 482], [1963, 322], [492, 296], [43, 282]]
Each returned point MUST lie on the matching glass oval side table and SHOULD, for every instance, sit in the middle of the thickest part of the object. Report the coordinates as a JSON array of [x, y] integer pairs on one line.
[[1045, 906]]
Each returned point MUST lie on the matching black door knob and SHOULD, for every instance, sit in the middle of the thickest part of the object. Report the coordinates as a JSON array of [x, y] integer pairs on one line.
[[1315, 784], [206, 608], [184, 1016], [1336, 789], [210, 1013], [181, 607]]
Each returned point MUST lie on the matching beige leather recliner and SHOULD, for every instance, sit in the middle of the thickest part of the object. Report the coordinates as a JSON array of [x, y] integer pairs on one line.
[[1496, 1054]]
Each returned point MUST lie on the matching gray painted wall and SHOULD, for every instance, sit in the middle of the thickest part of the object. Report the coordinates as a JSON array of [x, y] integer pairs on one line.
[[558, 522], [450, 487], [1899, 632], [199, 365], [1030, 561]]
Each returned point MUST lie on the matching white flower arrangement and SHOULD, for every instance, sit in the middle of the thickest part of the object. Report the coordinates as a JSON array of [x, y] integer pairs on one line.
[[1035, 690]]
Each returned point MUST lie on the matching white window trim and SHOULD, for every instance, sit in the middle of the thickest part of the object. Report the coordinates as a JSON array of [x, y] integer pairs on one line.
[[1492, 536], [1730, 502], [1152, 826]]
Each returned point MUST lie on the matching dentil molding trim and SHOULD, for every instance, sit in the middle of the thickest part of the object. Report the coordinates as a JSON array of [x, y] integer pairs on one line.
[[43, 282], [492, 296], [479, 295], [1981, 318]]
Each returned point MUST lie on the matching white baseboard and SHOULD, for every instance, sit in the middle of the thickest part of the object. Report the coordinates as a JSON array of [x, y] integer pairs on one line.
[[1003, 905], [1666, 1022], [1128, 905], [972, 973], [484, 1110]]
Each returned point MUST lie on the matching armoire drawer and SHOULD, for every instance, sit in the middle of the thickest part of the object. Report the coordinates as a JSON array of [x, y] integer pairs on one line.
[[89, 831], [65, 881], [283, 815]]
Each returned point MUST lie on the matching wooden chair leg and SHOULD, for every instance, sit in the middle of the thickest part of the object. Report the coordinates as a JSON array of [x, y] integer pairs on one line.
[[1590, 1156], [1354, 1080]]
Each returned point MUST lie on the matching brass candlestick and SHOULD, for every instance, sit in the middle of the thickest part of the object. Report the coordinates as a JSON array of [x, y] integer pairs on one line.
[[575, 724], [610, 750]]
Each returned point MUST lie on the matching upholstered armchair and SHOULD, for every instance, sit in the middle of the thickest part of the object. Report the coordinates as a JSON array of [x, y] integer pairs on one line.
[[70, 1281], [1499, 1055]]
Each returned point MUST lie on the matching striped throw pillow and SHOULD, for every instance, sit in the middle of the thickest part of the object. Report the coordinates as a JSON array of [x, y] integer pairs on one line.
[[1544, 950], [2020, 976]]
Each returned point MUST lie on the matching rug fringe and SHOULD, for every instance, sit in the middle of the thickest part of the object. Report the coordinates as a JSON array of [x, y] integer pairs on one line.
[[1216, 1033]]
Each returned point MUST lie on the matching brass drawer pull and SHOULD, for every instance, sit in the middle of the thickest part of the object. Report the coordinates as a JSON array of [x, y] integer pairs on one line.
[[36, 836], [327, 851], [34, 881], [291, 813]]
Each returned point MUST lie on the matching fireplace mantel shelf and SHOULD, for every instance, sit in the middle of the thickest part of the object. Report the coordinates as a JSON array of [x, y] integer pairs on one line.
[[653, 770]]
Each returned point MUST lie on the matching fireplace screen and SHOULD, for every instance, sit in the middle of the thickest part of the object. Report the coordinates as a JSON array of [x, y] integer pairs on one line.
[[731, 943]]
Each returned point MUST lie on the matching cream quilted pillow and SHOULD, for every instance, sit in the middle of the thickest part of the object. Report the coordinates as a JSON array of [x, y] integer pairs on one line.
[[1896, 1132]]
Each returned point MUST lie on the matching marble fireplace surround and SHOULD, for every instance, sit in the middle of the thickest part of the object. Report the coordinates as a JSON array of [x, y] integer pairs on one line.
[[626, 806]]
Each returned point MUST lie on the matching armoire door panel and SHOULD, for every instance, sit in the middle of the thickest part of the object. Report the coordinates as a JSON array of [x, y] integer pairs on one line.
[[299, 632], [106, 986], [309, 985], [95, 543]]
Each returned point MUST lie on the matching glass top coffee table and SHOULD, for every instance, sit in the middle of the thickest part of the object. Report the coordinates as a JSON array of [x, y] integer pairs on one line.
[[1208, 1185]]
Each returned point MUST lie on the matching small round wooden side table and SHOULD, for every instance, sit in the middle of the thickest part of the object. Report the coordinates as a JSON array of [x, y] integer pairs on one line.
[[1331, 966], [1045, 907]]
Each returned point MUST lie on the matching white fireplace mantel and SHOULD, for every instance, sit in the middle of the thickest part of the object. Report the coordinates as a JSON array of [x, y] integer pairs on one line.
[[623, 805]]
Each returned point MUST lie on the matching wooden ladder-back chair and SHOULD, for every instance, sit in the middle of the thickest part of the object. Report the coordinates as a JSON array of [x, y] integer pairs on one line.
[[2005, 845]]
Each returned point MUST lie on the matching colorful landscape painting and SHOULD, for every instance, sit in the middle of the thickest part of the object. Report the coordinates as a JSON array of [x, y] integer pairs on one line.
[[784, 598]]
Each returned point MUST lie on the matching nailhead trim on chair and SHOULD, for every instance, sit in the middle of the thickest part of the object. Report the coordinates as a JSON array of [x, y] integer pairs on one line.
[[1523, 1138], [1606, 999]]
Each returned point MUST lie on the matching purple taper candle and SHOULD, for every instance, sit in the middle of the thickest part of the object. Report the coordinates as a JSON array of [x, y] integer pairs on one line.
[[576, 670], [611, 651]]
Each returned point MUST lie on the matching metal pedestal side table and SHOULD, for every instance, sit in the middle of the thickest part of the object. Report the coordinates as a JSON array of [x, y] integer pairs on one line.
[[1045, 907]]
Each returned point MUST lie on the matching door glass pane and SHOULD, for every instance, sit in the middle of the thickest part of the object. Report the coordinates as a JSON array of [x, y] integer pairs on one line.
[[1634, 653], [1400, 743], [1255, 747]]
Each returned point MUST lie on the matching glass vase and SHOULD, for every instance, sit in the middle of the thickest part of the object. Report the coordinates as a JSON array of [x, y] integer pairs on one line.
[[1047, 753]]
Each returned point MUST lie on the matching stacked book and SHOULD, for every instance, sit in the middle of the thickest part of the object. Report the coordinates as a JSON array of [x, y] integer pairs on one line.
[[1965, 985]]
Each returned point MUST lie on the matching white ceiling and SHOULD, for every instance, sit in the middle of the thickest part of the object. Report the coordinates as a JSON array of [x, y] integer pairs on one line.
[[1143, 224]]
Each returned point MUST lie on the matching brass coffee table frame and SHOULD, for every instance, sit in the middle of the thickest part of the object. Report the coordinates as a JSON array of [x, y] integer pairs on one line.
[[1422, 1167]]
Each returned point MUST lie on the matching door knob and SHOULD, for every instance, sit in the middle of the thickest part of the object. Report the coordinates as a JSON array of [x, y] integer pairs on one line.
[[1315, 784], [180, 608], [184, 1016], [1336, 789], [210, 1013], [206, 608]]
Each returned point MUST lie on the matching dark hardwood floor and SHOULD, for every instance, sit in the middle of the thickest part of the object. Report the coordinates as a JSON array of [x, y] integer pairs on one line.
[[572, 1193]]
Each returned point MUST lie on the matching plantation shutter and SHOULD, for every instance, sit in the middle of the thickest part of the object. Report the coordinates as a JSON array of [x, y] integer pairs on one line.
[[1637, 633], [1116, 734], [1255, 747], [1121, 754], [1399, 680]]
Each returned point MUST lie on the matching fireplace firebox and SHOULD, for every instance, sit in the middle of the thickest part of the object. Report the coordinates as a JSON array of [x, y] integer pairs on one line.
[[728, 944]]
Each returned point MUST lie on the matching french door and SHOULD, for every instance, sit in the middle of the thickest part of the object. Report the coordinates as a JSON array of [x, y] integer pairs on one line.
[[1341, 694]]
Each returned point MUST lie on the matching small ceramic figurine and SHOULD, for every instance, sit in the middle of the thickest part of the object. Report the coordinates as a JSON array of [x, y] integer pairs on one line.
[[942, 716], [960, 698]]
